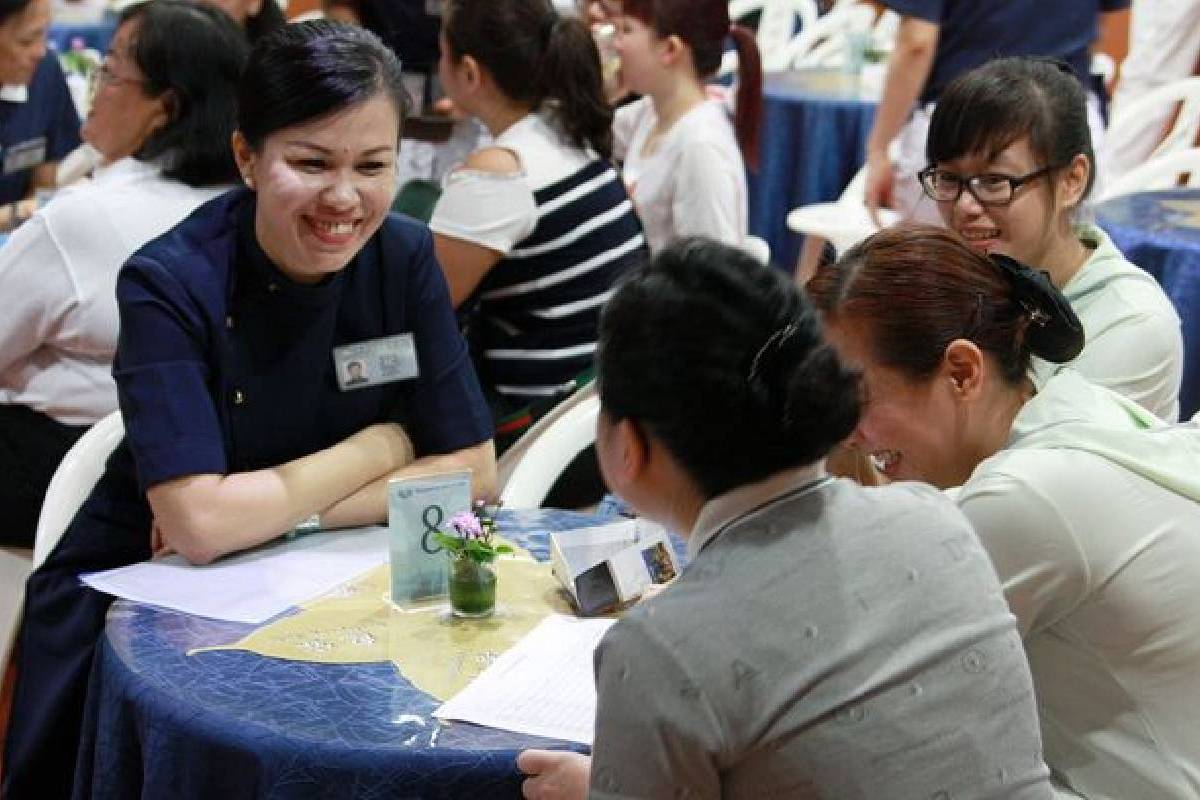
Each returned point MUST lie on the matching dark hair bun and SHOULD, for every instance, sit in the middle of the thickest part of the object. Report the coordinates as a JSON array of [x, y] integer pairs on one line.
[[1055, 332]]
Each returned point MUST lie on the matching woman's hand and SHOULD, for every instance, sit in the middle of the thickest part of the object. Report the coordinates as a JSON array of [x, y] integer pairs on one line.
[[554, 774], [880, 183]]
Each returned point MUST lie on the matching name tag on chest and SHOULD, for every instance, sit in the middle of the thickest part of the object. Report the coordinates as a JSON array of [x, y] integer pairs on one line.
[[376, 361], [24, 155]]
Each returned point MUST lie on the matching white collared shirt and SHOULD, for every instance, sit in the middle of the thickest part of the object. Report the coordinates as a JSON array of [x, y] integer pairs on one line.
[[58, 275]]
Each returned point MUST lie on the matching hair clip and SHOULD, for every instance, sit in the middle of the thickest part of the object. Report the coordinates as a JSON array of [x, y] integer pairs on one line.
[[775, 340], [1055, 334]]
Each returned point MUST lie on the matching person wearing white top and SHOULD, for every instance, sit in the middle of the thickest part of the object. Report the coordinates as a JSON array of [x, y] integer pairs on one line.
[[693, 182], [684, 163], [1010, 164], [1164, 46], [533, 230], [1133, 339], [1087, 504], [165, 155]]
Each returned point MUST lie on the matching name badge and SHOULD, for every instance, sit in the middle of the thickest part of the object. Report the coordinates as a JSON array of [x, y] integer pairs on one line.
[[25, 155], [376, 361]]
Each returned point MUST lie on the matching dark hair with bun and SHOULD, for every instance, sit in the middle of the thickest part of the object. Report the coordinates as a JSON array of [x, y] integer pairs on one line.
[[917, 288], [308, 70], [723, 361], [988, 108]]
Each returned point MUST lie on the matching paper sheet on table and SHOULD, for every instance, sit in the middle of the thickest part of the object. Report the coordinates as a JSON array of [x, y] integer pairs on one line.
[[543, 686], [252, 586], [435, 651]]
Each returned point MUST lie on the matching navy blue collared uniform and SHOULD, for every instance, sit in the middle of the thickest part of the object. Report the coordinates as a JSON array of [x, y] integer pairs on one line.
[[43, 128], [225, 365]]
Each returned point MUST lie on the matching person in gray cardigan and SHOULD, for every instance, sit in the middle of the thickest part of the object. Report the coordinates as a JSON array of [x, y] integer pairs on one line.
[[825, 640]]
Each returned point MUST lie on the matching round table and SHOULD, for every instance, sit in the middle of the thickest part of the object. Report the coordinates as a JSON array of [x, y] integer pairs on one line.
[[1160, 232], [233, 724], [815, 124]]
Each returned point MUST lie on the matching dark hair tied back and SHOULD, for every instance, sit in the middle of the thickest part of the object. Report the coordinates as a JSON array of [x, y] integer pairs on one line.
[[536, 57], [753, 389], [308, 70], [1055, 332]]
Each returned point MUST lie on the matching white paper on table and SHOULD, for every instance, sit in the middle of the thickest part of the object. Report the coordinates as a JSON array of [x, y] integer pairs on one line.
[[544, 685], [252, 586]]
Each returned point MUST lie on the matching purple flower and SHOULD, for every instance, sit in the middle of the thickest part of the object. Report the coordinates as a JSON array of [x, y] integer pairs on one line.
[[466, 525]]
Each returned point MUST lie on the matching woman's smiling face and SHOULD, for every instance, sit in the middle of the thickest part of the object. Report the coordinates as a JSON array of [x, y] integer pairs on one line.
[[908, 426], [324, 186], [1026, 228]]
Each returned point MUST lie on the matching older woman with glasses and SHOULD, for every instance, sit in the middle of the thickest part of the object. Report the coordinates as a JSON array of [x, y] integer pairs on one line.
[[161, 120], [1010, 164]]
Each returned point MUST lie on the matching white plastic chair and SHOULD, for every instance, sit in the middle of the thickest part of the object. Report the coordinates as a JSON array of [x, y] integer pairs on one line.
[[776, 26], [77, 473], [845, 222], [758, 249], [825, 44], [73, 481], [528, 469], [1161, 172], [1129, 118]]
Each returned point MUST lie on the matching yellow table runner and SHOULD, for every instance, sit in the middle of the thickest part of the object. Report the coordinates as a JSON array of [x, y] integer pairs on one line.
[[437, 652]]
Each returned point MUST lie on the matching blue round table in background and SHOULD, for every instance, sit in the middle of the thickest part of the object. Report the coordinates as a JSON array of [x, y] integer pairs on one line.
[[95, 35], [1160, 232], [233, 724], [815, 125]]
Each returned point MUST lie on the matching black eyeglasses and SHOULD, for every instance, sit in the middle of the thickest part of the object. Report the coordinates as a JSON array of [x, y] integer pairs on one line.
[[989, 188]]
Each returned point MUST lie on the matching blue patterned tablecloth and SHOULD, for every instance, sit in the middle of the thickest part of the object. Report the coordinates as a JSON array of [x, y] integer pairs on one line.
[[815, 125], [232, 724], [1160, 232]]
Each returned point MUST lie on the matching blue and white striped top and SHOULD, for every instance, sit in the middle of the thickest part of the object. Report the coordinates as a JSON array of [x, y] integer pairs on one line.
[[567, 230], [540, 306]]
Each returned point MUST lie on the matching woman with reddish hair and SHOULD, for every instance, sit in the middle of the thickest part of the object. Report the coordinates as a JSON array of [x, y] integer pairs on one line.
[[684, 163], [1087, 503]]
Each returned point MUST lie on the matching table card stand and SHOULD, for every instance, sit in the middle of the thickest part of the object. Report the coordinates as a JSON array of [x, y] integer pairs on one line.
[[418, 507]]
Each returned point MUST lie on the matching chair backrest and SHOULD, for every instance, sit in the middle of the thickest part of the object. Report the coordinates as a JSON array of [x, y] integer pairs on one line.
[[545, 451], [776, 29], [825, 43], [73, 481], [1161, 172], [1128, 118]]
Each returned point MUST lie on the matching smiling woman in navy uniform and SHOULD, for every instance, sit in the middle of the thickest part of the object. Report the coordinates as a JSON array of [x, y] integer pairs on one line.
[[38, 122], [237, 331]]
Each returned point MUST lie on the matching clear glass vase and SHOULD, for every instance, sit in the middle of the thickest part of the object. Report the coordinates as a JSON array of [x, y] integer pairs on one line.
[[472, 588]]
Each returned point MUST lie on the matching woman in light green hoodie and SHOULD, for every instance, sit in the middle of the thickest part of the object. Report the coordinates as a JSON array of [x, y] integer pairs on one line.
[[1088, 505], [1010, 163]]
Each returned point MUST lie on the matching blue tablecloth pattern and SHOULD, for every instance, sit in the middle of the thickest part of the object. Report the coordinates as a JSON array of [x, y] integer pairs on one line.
[[1160, 232], [233, 724], [815, 125]]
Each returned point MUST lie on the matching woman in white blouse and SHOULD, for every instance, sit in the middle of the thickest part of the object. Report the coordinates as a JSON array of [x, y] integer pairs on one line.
[[684, 163], [162, 119]]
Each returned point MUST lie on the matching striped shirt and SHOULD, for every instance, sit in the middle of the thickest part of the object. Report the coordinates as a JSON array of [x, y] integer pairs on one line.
[[540, 306]]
